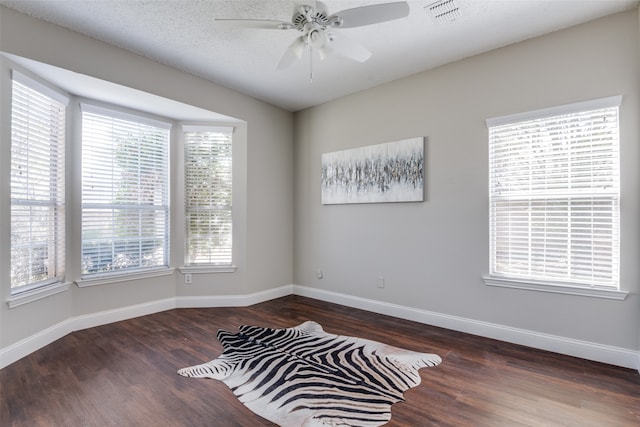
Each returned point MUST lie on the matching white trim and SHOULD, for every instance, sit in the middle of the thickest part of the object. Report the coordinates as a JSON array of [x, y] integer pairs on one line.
[[118, 113], [233, 300], [208, 269], [20, 298], [225, 130], [39, 87], [105, 317], [576, 107], [104, 279], [587, 350], [34, 342], [557, 288]]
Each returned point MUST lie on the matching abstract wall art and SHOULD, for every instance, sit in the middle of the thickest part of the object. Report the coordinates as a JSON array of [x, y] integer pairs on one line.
[[381, 173]]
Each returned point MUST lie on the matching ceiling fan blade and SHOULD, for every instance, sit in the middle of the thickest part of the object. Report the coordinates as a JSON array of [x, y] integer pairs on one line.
[[267, 24], [293, 52], [373, 14], [340, 45]]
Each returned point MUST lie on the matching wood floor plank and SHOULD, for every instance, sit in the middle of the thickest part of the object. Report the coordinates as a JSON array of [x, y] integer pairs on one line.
[[124, 374]]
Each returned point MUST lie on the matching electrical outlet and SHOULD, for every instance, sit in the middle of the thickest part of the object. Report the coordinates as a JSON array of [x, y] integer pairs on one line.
[[319, 274], [381, 281], [187, 278]]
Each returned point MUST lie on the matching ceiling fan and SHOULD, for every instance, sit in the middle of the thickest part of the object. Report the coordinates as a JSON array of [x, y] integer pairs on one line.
[[317, 27]]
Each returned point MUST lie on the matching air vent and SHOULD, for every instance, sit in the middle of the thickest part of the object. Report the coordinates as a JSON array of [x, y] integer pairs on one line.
[[444, 11]]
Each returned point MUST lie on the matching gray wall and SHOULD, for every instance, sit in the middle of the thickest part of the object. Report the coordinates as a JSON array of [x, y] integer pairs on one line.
[[433, 254], [265, 181]]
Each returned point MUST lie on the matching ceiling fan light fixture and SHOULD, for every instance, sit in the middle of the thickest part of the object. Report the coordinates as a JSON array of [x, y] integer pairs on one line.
[[298, 47], [444, 11], [323, 52], [316, 38]]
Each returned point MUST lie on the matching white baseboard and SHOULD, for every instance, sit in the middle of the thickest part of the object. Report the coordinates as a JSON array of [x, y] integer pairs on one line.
[[26, 346], [30, 344], [116, 315], [233, 300], [568, 346], [583, 349]]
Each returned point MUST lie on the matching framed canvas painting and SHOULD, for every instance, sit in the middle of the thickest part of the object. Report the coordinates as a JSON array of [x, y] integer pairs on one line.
[[381, 173]]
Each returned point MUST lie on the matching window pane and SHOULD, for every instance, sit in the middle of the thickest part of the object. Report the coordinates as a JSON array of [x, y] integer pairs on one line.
[[37, 188], [554, 198], [125, 207], [208, 196]]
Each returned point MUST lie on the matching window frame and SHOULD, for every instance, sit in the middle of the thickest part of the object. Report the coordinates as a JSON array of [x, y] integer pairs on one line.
[[119, 275], [551, 285], [207, 267], [55, 281]]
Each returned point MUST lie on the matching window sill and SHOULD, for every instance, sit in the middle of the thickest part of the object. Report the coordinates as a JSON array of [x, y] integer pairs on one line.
[[123, 277], [541, 286], [208, 269], [35, 294]]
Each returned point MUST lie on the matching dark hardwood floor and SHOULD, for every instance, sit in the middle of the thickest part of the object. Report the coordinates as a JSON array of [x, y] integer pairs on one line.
[[124, 374]]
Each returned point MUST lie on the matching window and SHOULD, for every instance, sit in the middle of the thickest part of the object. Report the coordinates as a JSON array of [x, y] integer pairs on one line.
[[208, 184], [37, 185], [125, 197], [554, 191]]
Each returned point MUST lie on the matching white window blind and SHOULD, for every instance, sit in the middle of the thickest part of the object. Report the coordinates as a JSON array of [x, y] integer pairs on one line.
[[37, 185], [208, 195], [554, 195], [125, 200]]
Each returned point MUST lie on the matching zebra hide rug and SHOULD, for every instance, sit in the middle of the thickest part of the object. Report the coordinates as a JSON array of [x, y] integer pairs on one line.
[[303, 376]]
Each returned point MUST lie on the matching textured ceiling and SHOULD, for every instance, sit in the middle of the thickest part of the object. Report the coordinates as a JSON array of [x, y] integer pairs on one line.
[[185, 34]]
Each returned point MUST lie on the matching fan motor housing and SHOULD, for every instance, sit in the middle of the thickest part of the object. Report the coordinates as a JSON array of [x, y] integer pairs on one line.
[[307, 14]]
